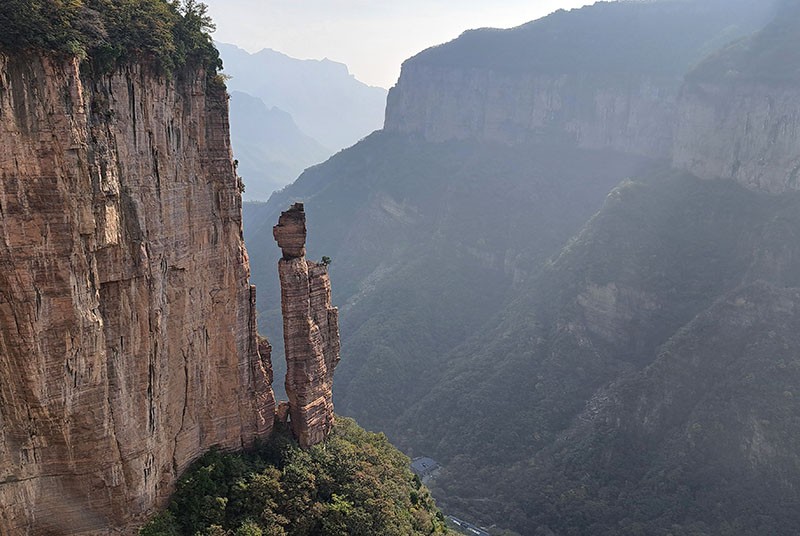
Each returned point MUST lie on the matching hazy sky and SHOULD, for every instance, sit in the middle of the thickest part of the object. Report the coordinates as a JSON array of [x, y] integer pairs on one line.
[[372, 37]]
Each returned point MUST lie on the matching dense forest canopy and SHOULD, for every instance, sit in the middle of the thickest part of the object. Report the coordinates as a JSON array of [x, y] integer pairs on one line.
[[105, 33], [353, 484]]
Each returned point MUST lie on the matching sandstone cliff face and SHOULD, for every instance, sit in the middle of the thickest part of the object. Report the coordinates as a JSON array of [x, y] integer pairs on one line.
[[632, 114], [746, 131], [310, 331], [127, 322]]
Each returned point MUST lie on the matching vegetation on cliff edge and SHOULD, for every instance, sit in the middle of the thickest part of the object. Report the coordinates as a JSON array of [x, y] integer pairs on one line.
[[356, 483], [768, 56], [106, 33]]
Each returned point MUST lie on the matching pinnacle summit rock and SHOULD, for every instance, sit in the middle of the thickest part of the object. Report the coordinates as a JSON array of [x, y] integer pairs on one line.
[[310, 331], [290, 233]]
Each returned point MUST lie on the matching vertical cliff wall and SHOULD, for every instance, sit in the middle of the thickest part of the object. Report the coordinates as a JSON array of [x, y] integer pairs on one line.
[[310, 331], [606, 76], [628, 113], [739, 112], [746, 131], [127, 322]]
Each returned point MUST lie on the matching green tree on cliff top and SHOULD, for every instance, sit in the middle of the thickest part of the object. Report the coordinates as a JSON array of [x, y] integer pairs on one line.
[[107, 33]]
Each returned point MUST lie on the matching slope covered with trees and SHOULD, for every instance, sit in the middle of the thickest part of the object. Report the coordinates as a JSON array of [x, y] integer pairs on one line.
[[563, 393], [355, 483]]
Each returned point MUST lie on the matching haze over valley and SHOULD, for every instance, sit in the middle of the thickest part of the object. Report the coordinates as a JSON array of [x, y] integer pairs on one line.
[[538, 258], [552, 269]]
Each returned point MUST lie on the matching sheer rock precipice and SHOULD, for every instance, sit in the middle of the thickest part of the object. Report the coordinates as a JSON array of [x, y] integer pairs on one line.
[[310, 331], [127, 322]]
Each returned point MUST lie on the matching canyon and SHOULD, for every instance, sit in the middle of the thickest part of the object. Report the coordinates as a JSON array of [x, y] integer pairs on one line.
[[589, 255], [560, 214]]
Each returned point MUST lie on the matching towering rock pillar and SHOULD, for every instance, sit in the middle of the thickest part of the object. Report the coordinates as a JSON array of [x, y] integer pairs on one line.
[[310, 331]]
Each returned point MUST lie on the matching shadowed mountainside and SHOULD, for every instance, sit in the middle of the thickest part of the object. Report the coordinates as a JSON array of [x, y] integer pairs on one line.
[[574, 286]]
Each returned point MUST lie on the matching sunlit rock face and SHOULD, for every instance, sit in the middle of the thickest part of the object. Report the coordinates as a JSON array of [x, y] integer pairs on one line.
[[310, 331], [127, 321]]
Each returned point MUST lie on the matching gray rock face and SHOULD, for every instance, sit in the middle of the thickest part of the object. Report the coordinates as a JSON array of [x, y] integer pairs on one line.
[[630, 114], [740, 131], [745, 131], [722, 124]]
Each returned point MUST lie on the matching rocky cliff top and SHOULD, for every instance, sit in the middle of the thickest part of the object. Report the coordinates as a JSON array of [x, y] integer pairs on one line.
[[607, 38], [606, 76], [290, 233]]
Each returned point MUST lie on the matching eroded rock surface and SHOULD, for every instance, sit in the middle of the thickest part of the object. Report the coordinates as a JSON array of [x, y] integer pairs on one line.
[[632, 114], [127, 321], [310, 331], [745, 131]]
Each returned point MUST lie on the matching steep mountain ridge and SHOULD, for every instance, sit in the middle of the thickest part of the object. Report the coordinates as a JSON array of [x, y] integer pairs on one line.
[[604, 76], [739, 115], [630, 94]]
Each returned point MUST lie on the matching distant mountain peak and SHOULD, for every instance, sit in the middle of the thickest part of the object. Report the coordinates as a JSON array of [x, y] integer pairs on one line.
[[326, 101]]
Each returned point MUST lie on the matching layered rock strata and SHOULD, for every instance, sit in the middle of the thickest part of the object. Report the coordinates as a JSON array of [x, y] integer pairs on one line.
[[127, 321], [631, 114], [740, 130], [498, 86], [310, 331]]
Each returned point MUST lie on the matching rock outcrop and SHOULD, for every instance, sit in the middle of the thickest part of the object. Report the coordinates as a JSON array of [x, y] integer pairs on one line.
[[127, 321], [310, 331], [739, 112], [749, 132]]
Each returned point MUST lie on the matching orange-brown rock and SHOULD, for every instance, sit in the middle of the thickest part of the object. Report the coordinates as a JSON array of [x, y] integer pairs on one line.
[[127, 321], [310, 331]]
